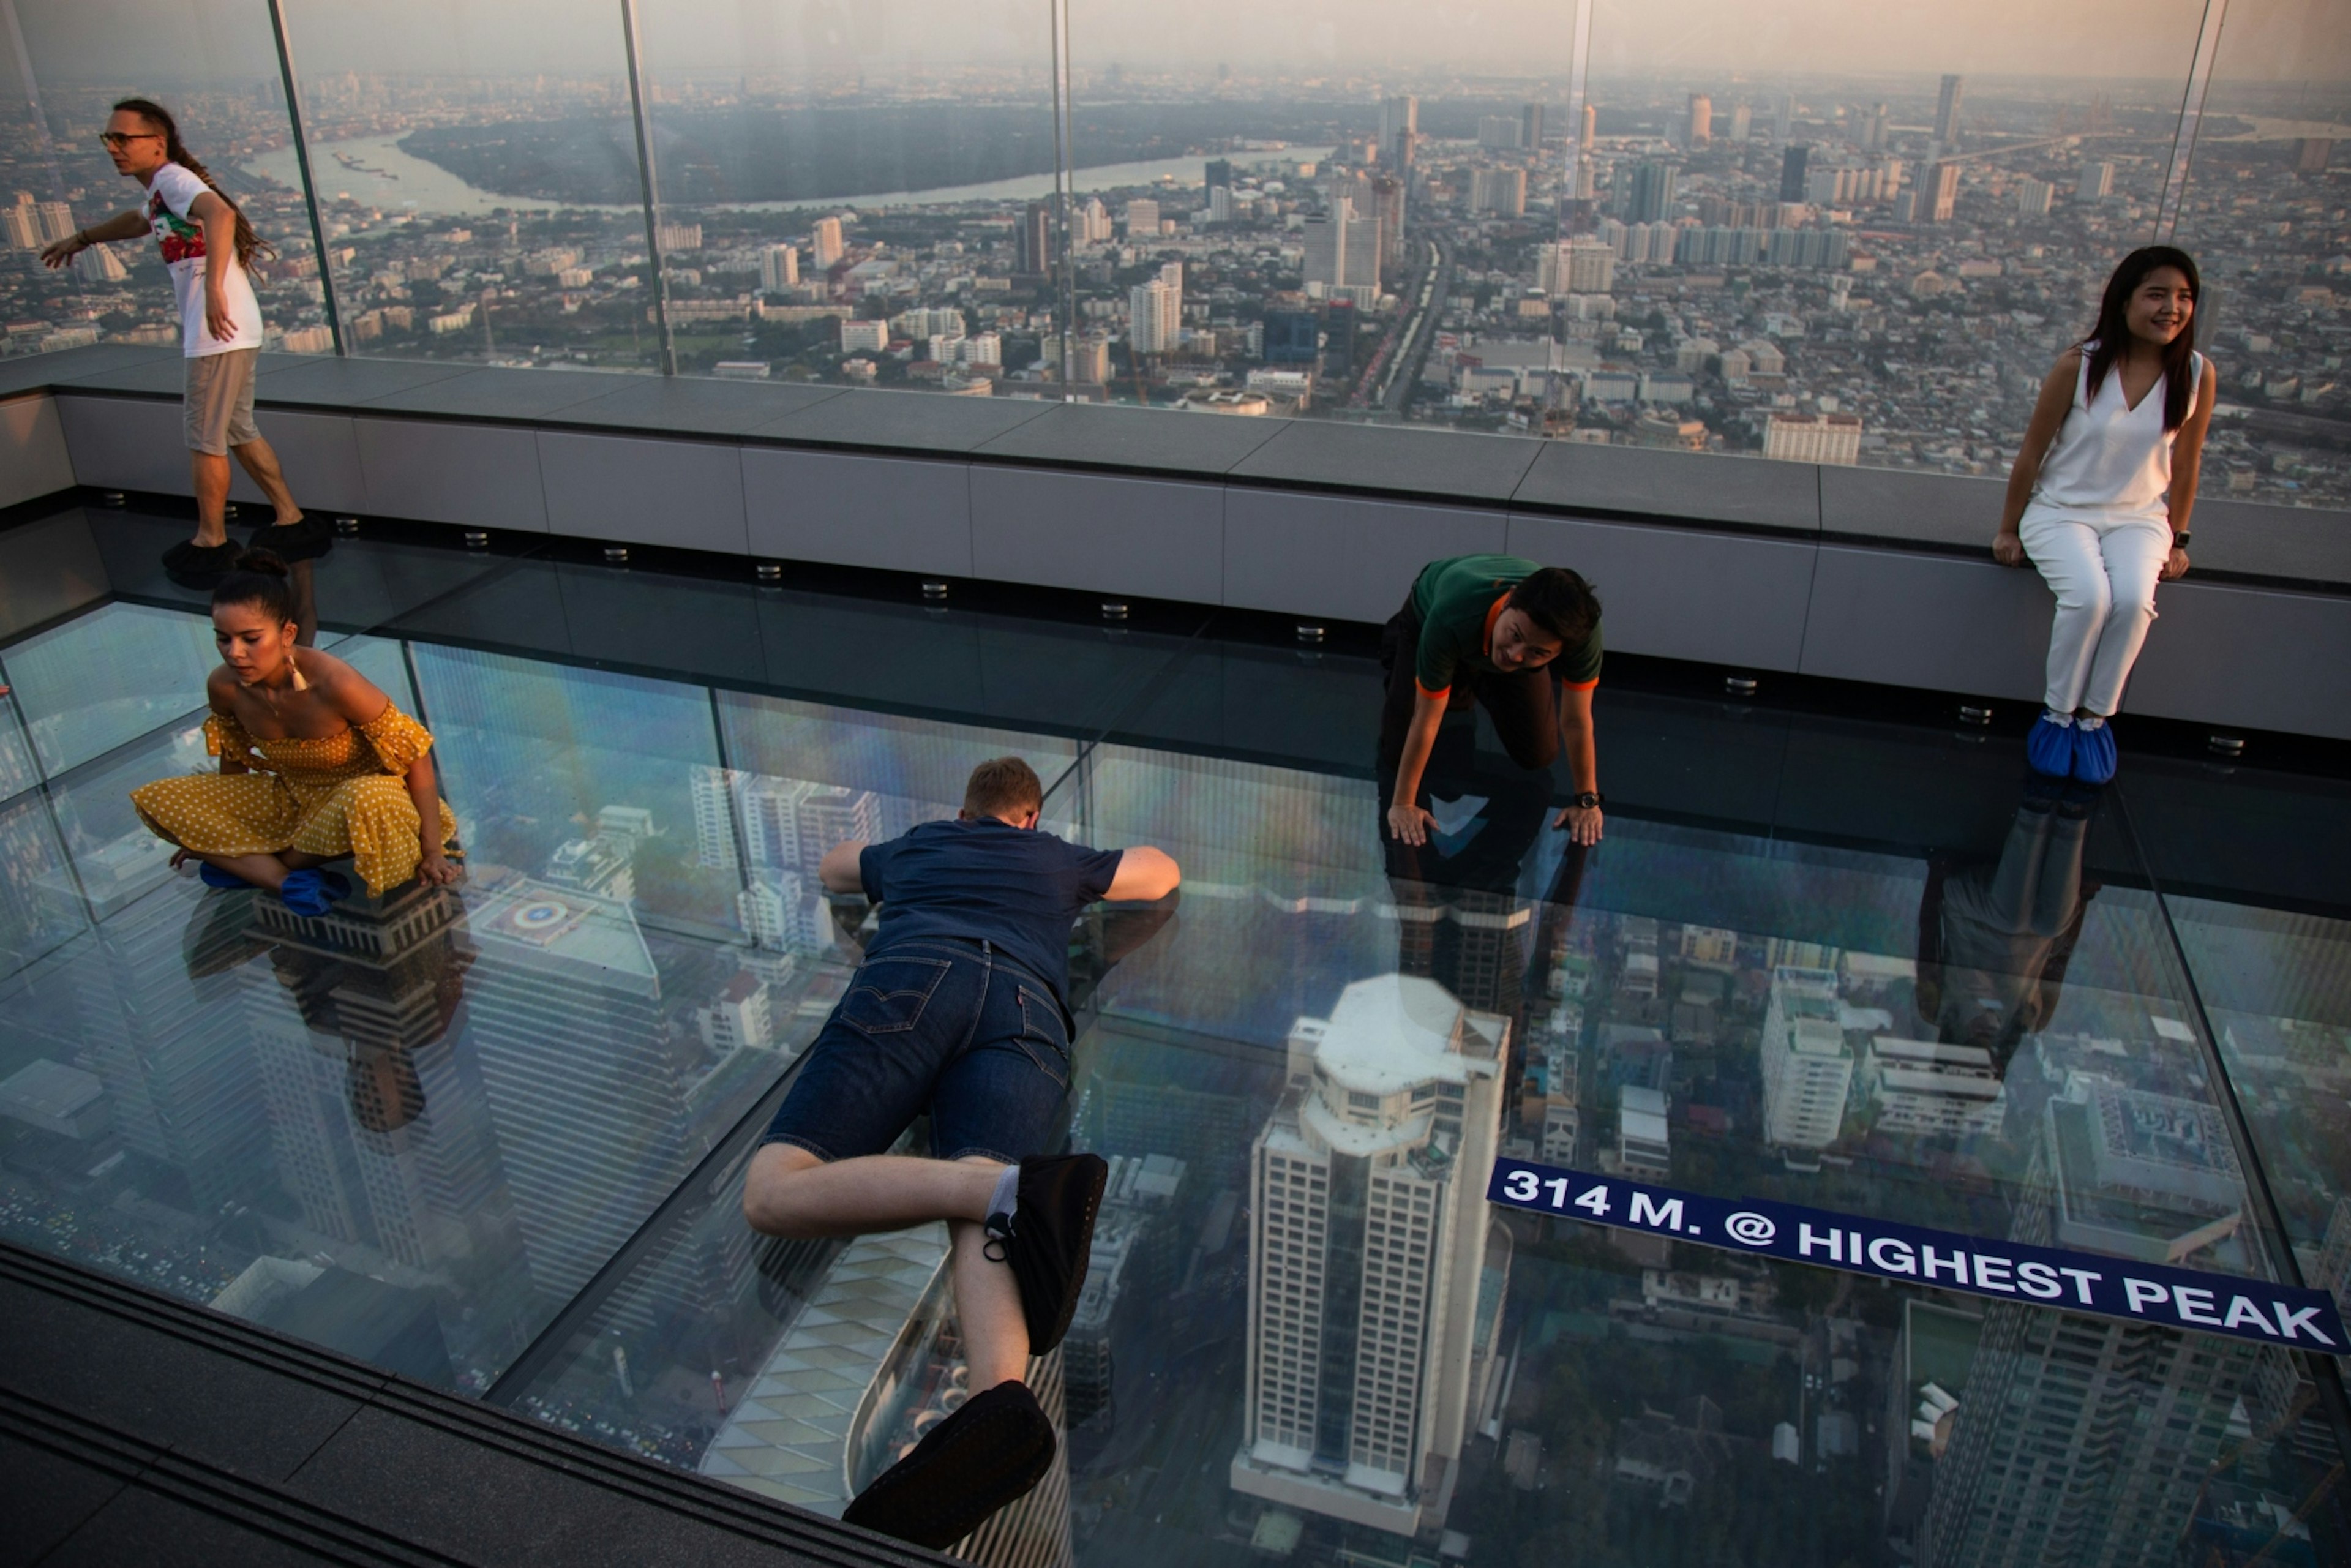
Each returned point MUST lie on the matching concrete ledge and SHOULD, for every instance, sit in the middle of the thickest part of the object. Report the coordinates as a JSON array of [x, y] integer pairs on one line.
[[34, 457], [1859, 574]]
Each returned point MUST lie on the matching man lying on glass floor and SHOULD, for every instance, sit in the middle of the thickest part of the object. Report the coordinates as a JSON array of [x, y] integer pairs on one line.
[[960, 1009]]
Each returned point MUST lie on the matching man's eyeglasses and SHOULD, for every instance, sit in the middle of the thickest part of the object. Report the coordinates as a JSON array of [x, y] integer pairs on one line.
[[125, 138]]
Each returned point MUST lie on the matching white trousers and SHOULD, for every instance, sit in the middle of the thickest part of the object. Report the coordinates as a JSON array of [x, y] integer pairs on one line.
[[2103, 570]]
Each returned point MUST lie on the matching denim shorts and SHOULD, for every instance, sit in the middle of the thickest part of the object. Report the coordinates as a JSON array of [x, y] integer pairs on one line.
[[941, 1025]]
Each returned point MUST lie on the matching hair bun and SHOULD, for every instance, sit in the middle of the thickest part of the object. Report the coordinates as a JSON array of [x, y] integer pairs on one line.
[[265, 563]]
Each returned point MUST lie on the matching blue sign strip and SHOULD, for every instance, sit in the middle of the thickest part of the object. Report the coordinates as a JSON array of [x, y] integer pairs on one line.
[[2186, 1299]]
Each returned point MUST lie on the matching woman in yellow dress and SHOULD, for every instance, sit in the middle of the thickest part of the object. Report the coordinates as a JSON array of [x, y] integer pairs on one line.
[[316, 764]]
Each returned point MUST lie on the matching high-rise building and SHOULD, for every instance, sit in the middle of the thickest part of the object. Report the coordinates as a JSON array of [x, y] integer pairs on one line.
[[1936, 1089], [1793, 172], [2094, 182], [1221, 206], [565, 1010], [1399, 131], [1807, 1066], [1939, 193], [1502, 192], [825, 244], [1325, 235], [56, 220], [1589, 130], [1220, 172], [1585, 265], [2032, 198], [1033, 241], [780, 268], [1701, 120], [1094, 223], [2085, 1440], [1375, 1269], [1742, 122], [1531, 127], [1142, 219], [1946, 110], [20, 223], [1783, 117], [98, 263], [1813, 438], [1652, 195], [1498, 133], [1156, 312]]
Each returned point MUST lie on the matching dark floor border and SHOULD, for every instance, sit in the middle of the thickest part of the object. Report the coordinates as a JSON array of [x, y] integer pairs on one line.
[[804, 1538]]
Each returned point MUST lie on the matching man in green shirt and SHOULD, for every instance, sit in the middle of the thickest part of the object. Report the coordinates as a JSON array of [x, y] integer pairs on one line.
[[1523, 641]]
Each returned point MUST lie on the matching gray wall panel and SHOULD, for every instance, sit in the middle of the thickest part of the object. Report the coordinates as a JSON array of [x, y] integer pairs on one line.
[[686, 494], [320, 455], [2241, 656], [1300, 553], [1149, 536], [479, 477], [1720, 598], [1907, 619], [126, 444], [901, 514], [32, 456]]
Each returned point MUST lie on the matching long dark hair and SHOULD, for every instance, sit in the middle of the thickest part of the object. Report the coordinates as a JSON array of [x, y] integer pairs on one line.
[[2111, 336], [248, 243], [261, 580]]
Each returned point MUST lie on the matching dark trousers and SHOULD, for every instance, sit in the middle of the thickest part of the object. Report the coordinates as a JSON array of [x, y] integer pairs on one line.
[[1523, 705]]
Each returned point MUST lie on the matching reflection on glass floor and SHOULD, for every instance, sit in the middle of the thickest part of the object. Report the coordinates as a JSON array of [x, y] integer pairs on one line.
[[492, 1137]]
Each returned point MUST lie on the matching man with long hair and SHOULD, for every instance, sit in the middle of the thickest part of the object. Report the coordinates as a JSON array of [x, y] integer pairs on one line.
[[208, 248]]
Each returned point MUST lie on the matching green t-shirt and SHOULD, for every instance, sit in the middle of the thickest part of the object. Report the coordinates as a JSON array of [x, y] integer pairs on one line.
[[1457, 599]]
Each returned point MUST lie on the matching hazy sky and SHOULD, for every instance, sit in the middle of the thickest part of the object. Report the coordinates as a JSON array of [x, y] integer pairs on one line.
[[1759, 39]]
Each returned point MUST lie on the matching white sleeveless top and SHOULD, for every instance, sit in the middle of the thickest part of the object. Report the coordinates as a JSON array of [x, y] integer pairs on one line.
[[2109, 456]]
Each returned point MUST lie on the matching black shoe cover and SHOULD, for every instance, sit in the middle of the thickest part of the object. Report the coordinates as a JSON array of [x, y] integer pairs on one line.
[[1052, 1239], [986, 1455]]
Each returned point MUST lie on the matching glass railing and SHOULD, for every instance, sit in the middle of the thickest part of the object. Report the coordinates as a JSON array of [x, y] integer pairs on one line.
[[1955, 1028], [1763, 232]]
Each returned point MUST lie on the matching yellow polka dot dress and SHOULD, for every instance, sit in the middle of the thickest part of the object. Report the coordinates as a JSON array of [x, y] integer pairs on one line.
[[340, 795]]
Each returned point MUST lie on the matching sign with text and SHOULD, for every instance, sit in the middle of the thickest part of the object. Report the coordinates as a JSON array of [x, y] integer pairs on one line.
[[2076, 1281]]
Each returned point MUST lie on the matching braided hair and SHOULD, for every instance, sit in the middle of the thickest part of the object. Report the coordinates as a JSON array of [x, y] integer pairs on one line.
[[249, 243]]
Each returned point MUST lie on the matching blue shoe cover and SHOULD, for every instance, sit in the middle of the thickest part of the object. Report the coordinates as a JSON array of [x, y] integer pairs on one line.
[[2049, 747], [305, 892], [212, 875], [2093, 754]]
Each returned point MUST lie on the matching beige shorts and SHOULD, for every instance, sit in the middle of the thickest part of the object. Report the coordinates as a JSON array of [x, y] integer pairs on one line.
[[220, 400]]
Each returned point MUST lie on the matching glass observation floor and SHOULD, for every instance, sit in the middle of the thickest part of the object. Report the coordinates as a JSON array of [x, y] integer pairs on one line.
[[1847, 979]]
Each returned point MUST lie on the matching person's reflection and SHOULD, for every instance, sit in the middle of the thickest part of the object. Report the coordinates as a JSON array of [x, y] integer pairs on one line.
[[1995, 935], [1455, 892], [376, 985]]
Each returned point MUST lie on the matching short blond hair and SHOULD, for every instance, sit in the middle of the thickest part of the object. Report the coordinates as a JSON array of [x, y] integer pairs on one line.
[[1003, 785]]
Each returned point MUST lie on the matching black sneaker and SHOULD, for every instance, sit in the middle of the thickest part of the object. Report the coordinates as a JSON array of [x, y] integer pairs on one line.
[[986, 1455], [192, 565], [1051, 1239], [305, 540]]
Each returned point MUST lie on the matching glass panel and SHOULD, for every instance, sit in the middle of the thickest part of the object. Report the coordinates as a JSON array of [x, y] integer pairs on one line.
[[89, 686], [45, 311], [477, 180], [212, 63], [860, 198], [2262, 218]]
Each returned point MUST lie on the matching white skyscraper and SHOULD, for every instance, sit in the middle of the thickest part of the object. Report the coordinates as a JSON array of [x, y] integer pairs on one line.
[[780, 268], [1094, 222], [1142, 219], [824, 241], [1399, 131], [1807, 1066], [1157, 312], [1377, 1273], [1326, 237]]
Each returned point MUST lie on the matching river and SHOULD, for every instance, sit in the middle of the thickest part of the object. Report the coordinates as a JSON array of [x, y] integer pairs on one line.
[[402, 181]]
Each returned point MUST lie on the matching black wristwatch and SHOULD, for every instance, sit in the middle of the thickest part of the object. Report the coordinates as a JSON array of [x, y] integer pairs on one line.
[[2180, 538], [1588, 800]]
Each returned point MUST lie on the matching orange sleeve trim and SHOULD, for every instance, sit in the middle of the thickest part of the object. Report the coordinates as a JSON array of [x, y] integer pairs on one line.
[[1423, 691], [1581, 686]]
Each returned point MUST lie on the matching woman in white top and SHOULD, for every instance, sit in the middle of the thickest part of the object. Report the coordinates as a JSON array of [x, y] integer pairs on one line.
[[2100, 494]]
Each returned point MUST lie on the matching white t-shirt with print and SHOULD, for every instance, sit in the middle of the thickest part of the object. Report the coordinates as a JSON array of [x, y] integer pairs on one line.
[[170, 194]]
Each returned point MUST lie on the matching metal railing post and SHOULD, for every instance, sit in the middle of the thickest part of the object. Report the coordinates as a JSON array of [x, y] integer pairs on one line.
[[652, 191], [2191, 115], [309, 185], [1065, 193]]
